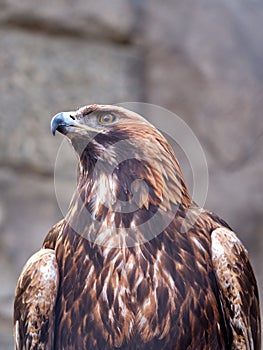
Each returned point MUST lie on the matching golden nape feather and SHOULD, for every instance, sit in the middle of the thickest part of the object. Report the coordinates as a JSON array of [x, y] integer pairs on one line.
[[135, 264]]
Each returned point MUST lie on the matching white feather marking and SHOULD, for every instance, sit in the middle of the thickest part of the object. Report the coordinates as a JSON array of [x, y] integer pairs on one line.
[[147, 302], [198, 244], [217, 247], [112, 217], [122, 290], [103, 188], [48, 272], [131, 325], [143, 322], [111, 316], [87, 283], [17, 337], [200, 266], [133, 225]]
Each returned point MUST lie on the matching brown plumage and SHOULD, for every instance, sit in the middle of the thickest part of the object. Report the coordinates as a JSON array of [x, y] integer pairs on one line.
[[135, 264]]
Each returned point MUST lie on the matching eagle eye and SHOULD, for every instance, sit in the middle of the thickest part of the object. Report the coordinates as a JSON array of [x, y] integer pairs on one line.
[[106, 119]]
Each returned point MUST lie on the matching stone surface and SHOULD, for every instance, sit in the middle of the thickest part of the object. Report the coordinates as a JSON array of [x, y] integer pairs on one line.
[[98, 19]]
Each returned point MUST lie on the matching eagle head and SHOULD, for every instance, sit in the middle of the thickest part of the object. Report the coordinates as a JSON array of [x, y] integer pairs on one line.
[[98, 130]]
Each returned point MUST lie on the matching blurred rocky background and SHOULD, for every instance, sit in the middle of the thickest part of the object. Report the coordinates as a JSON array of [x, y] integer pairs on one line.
[[200, 59]]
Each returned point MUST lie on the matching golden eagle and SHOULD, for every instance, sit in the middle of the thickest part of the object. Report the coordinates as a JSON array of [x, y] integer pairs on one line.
[[135, 264]]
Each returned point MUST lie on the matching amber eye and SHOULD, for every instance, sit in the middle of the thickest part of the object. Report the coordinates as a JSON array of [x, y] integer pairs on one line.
[[106, 119]]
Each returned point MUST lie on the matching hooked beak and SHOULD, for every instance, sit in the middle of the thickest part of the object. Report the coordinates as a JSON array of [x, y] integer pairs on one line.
[[65, 122]]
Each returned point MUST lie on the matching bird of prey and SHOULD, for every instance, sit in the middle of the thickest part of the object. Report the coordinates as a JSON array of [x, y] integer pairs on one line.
[[135, 263]]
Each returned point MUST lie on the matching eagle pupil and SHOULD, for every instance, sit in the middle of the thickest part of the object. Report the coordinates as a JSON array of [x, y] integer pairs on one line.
[[107, 118]]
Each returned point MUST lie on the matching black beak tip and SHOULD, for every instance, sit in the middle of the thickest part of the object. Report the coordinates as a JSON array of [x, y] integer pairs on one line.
[[54, 123], [57, 120]]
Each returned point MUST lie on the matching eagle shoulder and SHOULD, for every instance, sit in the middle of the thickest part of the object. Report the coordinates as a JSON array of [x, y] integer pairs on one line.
[[238, 288], [35, 299]]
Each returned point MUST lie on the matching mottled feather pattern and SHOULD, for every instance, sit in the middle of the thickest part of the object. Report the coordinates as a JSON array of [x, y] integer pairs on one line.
[[234, 274], [141, 294], [154, 277], [36, 294]]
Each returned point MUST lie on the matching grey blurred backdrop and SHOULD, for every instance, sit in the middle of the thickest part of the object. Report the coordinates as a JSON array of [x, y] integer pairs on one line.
[[200, 59]]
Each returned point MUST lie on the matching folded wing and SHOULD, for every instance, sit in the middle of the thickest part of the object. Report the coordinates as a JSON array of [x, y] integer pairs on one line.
[[238, 289], [35, 300]]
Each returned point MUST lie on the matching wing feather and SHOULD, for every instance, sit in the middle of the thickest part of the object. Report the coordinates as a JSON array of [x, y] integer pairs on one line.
[[35, 300], [238, 288]]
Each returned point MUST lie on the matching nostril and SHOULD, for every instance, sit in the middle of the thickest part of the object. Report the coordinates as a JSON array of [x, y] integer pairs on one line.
[[72, 117]]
